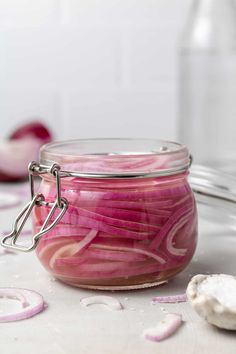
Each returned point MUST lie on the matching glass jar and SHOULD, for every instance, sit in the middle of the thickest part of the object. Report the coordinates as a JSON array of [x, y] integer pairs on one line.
[[127, 217], [207, 84]]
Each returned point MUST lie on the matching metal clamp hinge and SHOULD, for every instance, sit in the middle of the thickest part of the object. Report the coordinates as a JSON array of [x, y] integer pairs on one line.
[[37, 200]]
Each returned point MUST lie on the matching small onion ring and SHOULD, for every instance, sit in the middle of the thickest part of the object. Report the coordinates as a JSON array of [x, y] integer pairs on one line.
[[32, 303]]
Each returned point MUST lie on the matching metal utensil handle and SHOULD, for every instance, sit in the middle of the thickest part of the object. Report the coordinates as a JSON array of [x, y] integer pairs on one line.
[[37, 200]]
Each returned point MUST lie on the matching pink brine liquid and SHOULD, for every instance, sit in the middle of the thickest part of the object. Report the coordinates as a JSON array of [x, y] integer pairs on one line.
[[119, 234]]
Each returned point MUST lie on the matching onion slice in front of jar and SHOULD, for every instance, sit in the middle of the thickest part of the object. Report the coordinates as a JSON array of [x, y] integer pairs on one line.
[[164, 328], [31, 303], [111, 302]]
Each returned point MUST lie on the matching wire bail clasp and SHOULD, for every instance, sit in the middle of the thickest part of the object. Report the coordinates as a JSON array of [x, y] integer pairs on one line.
[[37, 200]]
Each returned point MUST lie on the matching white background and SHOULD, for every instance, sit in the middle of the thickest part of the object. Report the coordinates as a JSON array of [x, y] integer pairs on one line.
[[91, 67]]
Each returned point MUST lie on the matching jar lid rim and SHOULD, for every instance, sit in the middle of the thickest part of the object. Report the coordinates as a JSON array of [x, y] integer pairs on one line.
[[116, 157]]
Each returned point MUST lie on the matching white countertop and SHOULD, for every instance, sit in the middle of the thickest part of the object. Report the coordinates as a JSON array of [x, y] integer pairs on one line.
[[66, 327]]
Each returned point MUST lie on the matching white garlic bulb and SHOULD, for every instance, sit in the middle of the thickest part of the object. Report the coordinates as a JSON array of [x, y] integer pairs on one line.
[[214, 298]]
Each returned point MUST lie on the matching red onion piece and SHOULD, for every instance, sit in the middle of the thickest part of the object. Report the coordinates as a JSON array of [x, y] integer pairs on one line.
[[111, 302], [15, 156], [32, 303], [164, 328], [158, 256], [171, 299], [72, 217], [118, 222], [74, 248], [21, 148], [149, 195], [173, 221], [75, 267]]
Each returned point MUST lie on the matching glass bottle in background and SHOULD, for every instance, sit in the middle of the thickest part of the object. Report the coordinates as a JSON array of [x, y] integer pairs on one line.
[[207, 122]]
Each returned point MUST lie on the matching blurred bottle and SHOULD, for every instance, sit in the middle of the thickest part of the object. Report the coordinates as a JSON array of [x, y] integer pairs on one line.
[[207, 123]]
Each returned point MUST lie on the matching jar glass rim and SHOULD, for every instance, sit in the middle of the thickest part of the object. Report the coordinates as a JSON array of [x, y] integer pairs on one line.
[[121, 157]]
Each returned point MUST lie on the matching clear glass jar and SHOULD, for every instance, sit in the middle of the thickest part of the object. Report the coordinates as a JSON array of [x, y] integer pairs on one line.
[[131, 220], [111, 213]]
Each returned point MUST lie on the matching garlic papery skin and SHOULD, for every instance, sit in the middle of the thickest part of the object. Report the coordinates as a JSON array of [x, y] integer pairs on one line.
[[213, 297]]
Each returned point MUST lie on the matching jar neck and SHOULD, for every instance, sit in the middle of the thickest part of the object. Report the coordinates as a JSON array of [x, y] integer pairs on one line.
[[214, 8], [127, 183], [211, 26]]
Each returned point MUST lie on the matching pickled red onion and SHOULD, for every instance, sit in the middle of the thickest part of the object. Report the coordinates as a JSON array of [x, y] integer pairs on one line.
[[146, 229], [73, 249], [33, 129], [31, 303]]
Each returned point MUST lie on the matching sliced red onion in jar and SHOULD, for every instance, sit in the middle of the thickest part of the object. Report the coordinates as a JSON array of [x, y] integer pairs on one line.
[[73, 249], [34, 129], [31, 304], [144, 228]]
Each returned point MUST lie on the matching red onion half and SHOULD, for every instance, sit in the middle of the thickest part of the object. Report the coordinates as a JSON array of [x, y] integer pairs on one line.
[[22, 147]]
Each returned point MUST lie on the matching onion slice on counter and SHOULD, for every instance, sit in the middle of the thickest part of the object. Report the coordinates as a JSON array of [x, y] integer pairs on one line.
[[111, 302], [31, 303], [164, 328], [171, 299]]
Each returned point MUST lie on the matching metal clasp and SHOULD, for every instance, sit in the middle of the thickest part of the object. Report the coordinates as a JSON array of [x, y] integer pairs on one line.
[[37, 200]]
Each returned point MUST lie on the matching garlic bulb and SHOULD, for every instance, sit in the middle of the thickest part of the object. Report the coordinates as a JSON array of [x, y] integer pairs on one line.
[[214, 298]]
